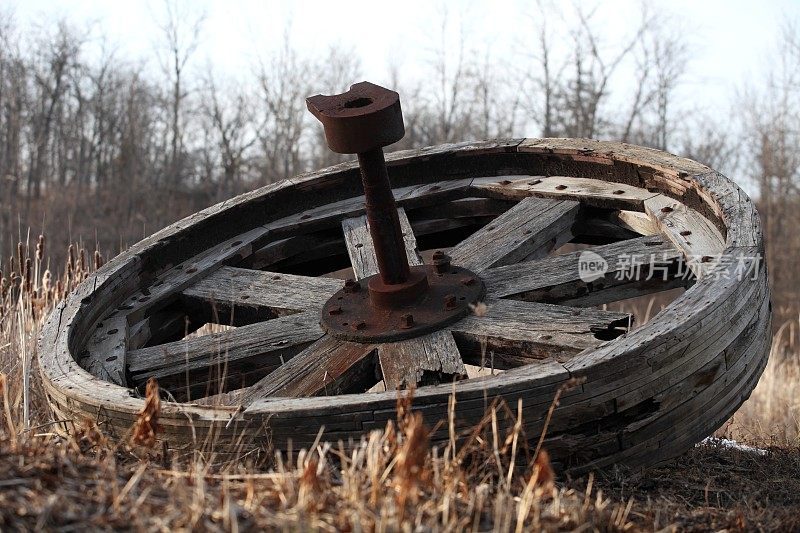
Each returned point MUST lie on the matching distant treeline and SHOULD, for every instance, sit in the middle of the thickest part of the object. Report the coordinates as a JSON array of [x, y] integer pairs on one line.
[[106, 151]]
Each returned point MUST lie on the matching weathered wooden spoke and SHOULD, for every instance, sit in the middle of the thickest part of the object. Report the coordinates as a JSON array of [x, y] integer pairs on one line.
[[532, 227], [593, 192], [330, 215], [512, 333], [423, 360], [594, 276], [689, 231], [231, 291], [361, 250], [327, 367], [432, 358], [198, 366]]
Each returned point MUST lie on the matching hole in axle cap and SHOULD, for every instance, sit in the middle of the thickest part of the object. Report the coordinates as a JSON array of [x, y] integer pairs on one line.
[[358, 102]]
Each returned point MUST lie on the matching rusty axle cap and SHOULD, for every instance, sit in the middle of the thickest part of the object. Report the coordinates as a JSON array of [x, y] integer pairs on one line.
[[362, 121]]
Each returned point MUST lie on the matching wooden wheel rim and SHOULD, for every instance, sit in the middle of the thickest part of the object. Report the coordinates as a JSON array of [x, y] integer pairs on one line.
[[658, 421]]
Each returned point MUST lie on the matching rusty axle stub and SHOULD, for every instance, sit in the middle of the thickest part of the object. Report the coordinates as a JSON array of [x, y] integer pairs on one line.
[[362, 121], [365, 118], [361, 316]]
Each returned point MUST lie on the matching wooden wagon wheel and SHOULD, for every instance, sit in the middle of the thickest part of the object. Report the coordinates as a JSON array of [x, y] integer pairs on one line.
[[262, 263]]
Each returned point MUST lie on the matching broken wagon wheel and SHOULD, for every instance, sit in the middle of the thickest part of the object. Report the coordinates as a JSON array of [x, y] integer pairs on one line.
[[270, 264]]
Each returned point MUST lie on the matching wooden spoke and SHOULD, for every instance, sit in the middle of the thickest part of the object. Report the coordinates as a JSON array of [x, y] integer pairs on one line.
[[104, 355], [413, 362], [181, 276], [689, 231], [361, 250], [328, 216], [327, 367], [288, 248], [598, 193], [558, 279], [465, 208], [534, 224], [425, 360], [238, 357], [513, 333], [230, 290]]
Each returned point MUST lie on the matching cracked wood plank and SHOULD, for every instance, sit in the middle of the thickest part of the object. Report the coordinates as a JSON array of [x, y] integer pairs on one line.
[[529, 226], [328, 367]]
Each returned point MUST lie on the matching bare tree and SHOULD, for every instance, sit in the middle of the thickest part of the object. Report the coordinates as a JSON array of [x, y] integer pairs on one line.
[[284, 83], [181, 32], [286, 133], [230, 115], [55, 56], [576, 93], [772, 132]]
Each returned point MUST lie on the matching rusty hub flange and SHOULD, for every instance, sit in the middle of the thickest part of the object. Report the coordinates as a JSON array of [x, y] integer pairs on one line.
[[352, 314], [399, 301]]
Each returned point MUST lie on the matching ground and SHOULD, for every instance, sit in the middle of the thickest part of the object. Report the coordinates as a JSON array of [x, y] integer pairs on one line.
[[394, 481]]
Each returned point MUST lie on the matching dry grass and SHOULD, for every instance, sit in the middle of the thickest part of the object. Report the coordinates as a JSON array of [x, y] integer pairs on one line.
[[772, 414], [394, 481]]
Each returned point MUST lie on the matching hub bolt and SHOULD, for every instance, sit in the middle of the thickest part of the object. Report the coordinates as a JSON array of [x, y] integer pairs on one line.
[[352, 286], [360, 325], [407, 321], [335, 311], [441, 262], [450, 302]]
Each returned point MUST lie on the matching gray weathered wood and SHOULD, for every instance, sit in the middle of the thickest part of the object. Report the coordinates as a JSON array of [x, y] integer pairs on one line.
[[594, 192], [263, 346], [105, 354], [558, 279], [183, 275], [161, 290], [520, 231], [410, 362], [512, 333], [636, 368], [329, 215], [432, 358], [465, 208], [699, 239], [276, 292], [327, 367], [361, 250]]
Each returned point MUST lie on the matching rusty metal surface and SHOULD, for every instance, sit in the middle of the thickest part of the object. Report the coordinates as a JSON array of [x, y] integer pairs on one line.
[[362, 121], [367, 117], [399, 301], [384, 222], [351, 314]]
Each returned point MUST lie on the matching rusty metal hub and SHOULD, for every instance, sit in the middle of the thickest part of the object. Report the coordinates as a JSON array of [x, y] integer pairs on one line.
[[400, 301], [361, 314]]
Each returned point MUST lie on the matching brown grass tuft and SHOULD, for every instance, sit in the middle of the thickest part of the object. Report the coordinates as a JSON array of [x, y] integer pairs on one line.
[[146, 427]]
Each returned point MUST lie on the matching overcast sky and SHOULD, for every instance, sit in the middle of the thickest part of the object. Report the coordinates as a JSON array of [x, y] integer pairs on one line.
[[730, 40]]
